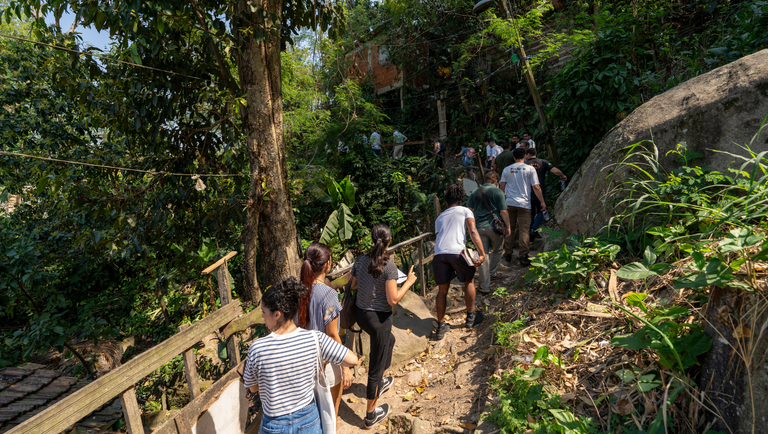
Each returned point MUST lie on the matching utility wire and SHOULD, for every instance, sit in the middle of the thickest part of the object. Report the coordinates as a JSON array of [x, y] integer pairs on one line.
[[71, 50], [151, 172]]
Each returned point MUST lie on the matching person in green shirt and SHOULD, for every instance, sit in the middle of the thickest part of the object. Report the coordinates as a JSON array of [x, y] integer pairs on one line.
[[486, 203], [505, 158]]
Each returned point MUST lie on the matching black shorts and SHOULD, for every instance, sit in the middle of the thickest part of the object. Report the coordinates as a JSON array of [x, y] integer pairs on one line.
[[447, 266]]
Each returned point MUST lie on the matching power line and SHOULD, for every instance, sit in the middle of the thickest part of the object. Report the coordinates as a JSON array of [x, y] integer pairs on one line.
[[151, 172], [71, 50]]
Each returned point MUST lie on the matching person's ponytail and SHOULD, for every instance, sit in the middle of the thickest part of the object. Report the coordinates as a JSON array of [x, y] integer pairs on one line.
[[381, 236], [315, 258]]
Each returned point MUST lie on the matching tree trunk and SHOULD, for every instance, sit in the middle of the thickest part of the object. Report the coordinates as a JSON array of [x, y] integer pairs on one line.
[[270, 227]]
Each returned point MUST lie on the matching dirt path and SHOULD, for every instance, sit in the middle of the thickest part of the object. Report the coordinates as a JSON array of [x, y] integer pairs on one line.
[[448, 383]]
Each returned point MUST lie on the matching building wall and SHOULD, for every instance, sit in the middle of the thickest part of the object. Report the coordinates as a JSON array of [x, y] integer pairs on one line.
[[371, 59]]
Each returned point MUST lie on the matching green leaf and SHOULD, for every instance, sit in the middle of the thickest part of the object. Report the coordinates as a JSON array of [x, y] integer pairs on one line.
[[331, 229], [698, 258], [636, 299], [542, 354], [160, 25], [636, 341], [568, 421], [649, 257], [626, 375], [532, 374], [647, 382], [635, 271], [535, 392]]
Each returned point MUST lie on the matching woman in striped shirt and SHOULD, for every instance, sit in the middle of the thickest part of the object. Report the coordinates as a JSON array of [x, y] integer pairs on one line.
[[282, 367], [374, 277], [319, 309]]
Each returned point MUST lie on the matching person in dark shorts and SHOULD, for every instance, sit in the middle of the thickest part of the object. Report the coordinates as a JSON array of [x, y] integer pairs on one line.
[[542, 167], [451, 228]]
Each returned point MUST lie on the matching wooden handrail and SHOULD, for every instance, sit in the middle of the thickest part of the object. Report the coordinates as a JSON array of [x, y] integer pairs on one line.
[[219, 262], [408, 242], [58, 417], [416, 239]]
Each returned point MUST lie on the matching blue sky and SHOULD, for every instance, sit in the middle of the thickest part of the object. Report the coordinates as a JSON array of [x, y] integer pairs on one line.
[[90, 35]]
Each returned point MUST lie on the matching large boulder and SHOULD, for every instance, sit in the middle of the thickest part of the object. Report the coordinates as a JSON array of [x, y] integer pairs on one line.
[[719, 110]]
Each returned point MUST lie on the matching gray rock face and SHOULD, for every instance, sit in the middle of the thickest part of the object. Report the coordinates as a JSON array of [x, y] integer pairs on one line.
[[718, 110]]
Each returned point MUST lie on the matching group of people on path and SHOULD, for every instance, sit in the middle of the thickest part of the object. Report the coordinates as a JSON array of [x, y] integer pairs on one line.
[[281, 366], [397, 136], [303, 315]]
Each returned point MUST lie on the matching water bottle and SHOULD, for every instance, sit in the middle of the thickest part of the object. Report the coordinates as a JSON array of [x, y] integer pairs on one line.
[[546, 216], [562, 185]]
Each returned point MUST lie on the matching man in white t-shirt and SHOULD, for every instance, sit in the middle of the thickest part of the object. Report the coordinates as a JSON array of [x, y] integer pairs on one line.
[[451, 228], [491, 151], [518, 181], [399, 138], [375, 142]]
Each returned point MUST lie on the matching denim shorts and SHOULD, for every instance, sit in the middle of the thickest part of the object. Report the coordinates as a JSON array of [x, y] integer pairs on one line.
[[302, 421]]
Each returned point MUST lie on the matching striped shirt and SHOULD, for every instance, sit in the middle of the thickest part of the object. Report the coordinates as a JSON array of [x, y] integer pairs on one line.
[[285, 367], [324, 307], [371, 293]]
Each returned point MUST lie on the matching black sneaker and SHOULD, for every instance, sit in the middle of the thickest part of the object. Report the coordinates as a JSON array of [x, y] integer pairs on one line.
[[439, 333], [386, 383], [379, 413], [473, 319], [525, 262], [508, 258]]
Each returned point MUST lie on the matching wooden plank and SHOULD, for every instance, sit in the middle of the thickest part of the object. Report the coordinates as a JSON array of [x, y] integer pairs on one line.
[[78, 405], [190, 369], [333, 274], [242, 323], [340, 271], [192, 411], [421, 269], [225, 289], [131, 412], [420, 142], [225, 292], [409, 241], [182, 424], [219, 262]]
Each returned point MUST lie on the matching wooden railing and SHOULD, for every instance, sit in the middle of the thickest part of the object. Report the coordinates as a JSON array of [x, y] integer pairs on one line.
[[120, 382], [419, 266]]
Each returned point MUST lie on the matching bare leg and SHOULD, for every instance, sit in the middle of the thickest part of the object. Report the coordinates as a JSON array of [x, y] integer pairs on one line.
[[336, 392], [371, 405], [442, 295], [469, 295]]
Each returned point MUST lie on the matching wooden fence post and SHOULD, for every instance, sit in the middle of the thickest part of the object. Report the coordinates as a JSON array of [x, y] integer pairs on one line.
[[190, 369], [131, 412], [421, 268], [225, 292]]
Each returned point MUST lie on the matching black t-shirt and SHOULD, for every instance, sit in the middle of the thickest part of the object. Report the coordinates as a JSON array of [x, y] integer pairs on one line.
[[542, 167]]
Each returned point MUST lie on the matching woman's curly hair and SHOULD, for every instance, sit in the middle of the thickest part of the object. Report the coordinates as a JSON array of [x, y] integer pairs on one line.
[[284, 297]]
